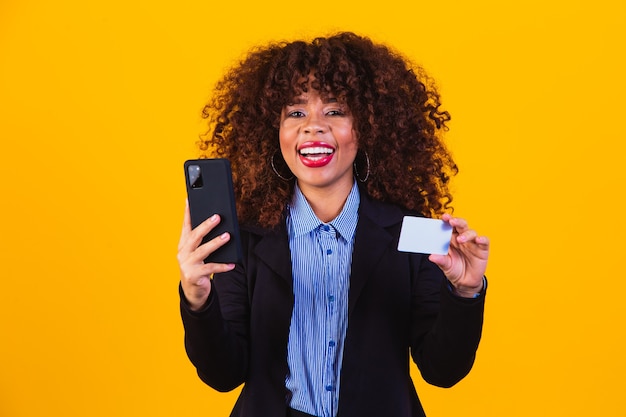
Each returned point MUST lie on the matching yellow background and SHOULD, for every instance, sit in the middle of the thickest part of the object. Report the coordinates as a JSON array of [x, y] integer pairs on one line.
[[99, 107]]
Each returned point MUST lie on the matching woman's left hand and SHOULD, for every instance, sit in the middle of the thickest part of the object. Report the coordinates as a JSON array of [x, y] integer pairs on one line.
[[466, 261]]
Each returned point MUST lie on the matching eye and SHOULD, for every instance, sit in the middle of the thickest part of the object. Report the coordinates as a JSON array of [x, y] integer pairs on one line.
[[295, 113], [336, 112]]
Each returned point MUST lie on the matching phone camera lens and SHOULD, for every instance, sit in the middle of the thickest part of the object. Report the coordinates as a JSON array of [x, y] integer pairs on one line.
[[195, 176]]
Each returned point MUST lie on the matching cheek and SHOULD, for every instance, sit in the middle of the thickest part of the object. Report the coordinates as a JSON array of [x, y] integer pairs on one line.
[[285, 146], [351, 139], [282, 140], [286, 132], [354, 145]]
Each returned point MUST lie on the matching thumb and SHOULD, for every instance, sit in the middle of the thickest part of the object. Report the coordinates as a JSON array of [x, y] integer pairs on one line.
[[443, 261]]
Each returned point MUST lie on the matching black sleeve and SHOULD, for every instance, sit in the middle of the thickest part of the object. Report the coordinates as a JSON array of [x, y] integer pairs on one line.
[[446, 329], [216, 347]]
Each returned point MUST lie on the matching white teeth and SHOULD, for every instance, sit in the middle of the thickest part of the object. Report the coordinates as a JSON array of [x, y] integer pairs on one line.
[[316, 150]]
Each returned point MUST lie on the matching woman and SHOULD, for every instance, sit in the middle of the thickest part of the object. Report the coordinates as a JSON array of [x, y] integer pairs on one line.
[[332, 142]]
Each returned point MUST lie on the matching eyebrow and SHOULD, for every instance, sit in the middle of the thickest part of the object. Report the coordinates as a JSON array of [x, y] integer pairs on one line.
[[301, 100]]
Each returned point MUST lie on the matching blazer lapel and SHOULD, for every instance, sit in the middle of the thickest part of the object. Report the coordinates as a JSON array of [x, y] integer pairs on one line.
[[273, 250], [371, 241]]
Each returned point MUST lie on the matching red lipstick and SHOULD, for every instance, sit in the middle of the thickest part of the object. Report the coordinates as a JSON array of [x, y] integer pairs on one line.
[[316, 154]]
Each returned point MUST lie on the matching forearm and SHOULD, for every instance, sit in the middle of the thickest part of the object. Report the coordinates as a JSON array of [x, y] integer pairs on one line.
[[445, 354], [213, 348]]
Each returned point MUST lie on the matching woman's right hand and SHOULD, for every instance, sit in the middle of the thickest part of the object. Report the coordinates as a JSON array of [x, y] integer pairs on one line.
[[195, 275]]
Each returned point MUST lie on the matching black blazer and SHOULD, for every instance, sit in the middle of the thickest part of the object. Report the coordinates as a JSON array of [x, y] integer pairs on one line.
[[399, 305]]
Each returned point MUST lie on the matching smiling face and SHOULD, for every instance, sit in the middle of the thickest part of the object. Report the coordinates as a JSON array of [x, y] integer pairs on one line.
[[318, 142]]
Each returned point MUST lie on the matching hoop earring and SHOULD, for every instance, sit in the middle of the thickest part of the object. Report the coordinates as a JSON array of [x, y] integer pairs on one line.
[[356, 170], [276, 171]]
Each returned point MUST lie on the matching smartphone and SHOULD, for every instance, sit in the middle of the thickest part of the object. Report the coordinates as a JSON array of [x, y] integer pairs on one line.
[[209, 184]]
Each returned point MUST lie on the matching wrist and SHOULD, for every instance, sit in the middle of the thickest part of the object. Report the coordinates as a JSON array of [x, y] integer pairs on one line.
[[467, 292], [194, 302]]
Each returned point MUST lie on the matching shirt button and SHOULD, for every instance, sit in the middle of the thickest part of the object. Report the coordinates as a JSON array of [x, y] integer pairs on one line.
[[331, 343], [329, 387], [329, 251], [331, 298], [326, 228]]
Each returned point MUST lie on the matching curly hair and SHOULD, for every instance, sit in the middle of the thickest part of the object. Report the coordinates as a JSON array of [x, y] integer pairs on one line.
[[396, 111]]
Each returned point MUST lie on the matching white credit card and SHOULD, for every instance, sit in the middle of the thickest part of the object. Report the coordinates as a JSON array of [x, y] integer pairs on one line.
[[423, 235]]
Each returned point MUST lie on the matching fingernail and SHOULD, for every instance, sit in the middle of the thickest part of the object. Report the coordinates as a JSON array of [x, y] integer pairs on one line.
[[224, 236], [213, 217]]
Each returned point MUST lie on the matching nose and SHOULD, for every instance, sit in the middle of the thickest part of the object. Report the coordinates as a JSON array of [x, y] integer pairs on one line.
[[314, 125]]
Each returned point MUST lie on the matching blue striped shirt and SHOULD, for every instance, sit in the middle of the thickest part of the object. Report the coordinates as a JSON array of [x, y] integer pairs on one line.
[[321, 255]]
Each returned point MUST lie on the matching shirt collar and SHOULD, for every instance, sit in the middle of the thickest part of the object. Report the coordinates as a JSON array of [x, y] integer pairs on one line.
[[304, 220]]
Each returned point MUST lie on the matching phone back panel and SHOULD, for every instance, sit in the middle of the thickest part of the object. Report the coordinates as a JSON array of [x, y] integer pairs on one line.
[[210, 191]]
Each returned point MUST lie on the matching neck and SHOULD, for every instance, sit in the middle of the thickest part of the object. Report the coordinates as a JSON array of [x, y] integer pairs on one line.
[[326, 203]]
